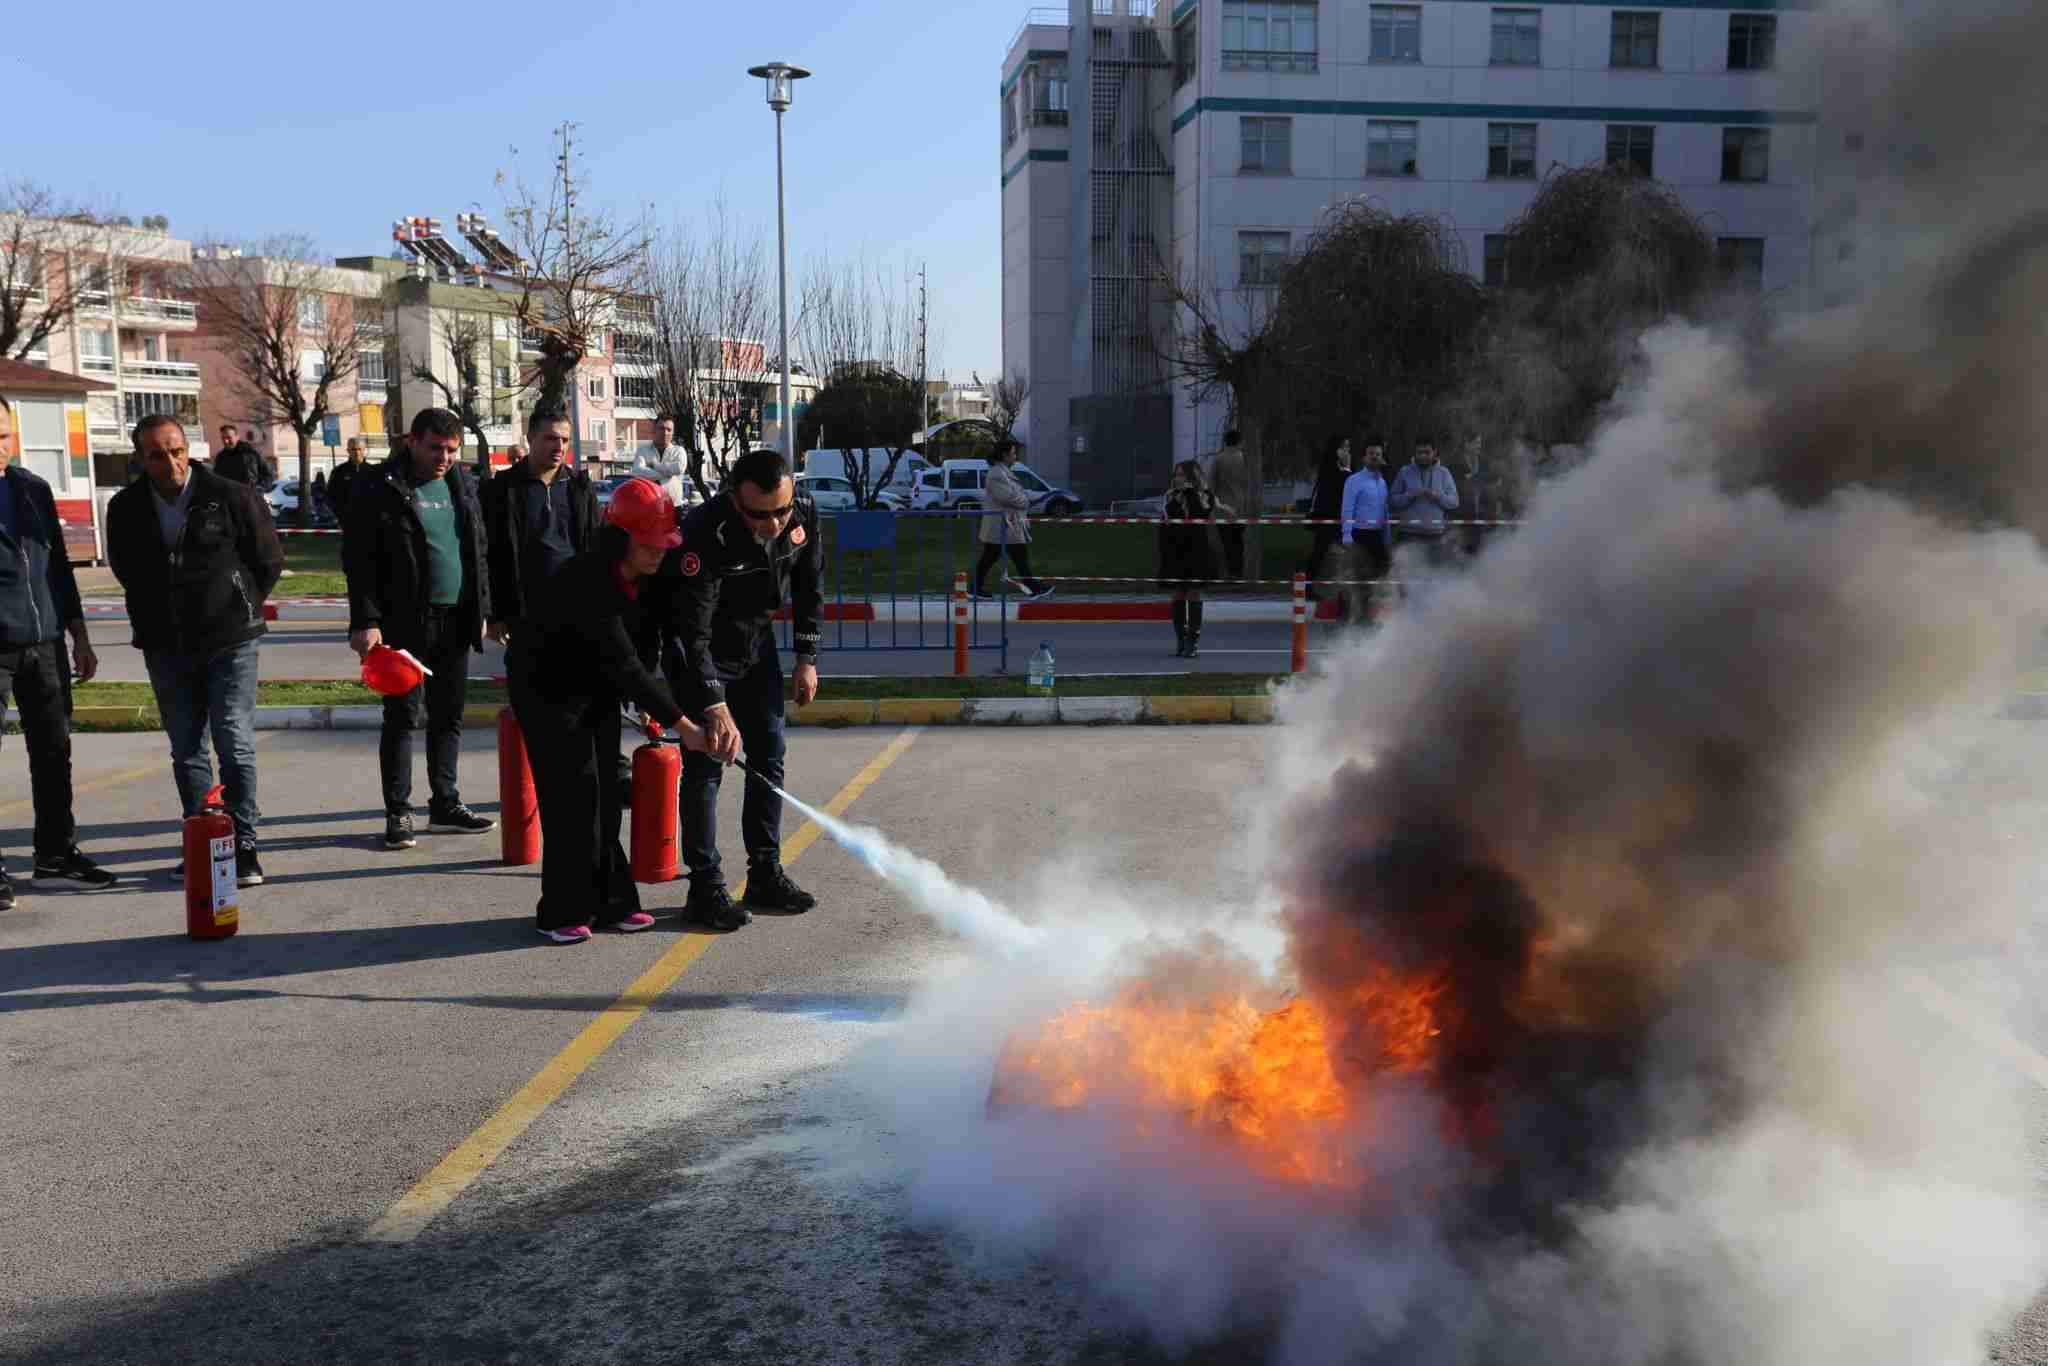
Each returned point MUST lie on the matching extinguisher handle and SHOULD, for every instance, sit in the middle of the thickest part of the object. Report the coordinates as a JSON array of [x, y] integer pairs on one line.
[[652, 729]]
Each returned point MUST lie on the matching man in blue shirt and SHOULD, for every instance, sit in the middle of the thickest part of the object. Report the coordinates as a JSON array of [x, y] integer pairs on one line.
[[1365, 527]]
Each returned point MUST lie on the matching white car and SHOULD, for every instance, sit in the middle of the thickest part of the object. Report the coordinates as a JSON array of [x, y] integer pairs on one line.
[[828, 491], [960, 483]]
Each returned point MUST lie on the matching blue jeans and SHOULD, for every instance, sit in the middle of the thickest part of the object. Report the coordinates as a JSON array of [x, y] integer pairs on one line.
[[755, 699], [198, 694]]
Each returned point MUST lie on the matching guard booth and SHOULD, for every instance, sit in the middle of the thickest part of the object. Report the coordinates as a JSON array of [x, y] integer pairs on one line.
[[50, 440]]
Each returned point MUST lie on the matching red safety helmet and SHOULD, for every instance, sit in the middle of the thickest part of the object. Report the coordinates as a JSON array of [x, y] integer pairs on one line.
[[641, 508], [392, 673]]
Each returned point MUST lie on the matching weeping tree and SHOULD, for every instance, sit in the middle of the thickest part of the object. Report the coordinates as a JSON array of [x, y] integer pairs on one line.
[[1602, 253]]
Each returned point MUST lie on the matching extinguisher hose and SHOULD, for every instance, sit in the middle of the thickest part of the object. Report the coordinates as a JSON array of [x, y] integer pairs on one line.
[[663, 738]]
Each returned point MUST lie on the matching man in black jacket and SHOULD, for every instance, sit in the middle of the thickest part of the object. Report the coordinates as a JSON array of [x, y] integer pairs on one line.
[[38, 604], [742, 551], [538, 514], [413, 549], [242, 462], [197, 556], [342, 481]]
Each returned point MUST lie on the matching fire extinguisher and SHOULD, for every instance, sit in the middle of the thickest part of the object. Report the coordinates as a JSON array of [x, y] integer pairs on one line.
[[657, 777], [518, 809], [211, 908]]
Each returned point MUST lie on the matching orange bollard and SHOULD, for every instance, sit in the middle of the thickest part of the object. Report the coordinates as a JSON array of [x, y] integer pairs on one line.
[[1300, 662], [959, 623]]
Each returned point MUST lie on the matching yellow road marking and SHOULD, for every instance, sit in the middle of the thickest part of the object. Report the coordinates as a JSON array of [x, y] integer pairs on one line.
[[126, 775], [434, 1192], [1984, 1032]]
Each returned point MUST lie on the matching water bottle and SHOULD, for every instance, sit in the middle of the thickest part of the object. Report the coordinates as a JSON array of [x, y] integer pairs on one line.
[[1041, 672]]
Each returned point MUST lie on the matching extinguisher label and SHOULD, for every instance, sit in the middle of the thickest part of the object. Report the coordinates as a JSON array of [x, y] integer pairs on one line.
[[225, 911]]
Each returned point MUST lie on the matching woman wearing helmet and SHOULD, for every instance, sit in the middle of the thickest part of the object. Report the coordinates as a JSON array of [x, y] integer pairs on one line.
[[590, 640]]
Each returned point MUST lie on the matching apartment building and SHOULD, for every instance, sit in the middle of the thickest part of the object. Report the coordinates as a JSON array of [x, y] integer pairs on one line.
[[1223, 130]]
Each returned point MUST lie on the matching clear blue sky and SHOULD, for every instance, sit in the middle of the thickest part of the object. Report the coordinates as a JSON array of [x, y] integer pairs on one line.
[[241, 119]]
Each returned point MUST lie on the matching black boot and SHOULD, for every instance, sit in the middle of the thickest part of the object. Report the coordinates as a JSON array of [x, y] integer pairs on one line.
[[770, 889], [1194, 630], [712, 906], [1180, 628]]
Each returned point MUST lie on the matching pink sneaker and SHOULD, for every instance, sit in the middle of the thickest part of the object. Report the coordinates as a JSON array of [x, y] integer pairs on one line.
[[567, 934], [631, 924]]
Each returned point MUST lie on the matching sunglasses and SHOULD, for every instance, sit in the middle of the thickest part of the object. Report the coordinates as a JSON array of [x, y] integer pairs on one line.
[[767, 514]]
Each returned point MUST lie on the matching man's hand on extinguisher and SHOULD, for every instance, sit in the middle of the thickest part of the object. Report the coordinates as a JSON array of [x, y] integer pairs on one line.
[[365, 640], [806, 684], [721, 736]]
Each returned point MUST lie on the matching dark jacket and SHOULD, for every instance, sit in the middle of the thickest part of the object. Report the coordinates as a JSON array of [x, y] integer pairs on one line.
[[207, 592], [38, 595], [1327, 502], [504, 508], [384, 554], [723, 588], [244, 464], [342, 482], [591, 644]]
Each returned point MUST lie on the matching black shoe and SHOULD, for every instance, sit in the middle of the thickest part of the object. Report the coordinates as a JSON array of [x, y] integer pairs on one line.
[[712, 906], [74, 868], [248, 868], [1194, 645], [458, 817], [1180, 644], [6, 892], [398, 831], [769, 889]]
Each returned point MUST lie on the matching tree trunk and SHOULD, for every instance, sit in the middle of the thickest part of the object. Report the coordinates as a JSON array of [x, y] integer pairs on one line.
[[1254, 435], [303, 514]]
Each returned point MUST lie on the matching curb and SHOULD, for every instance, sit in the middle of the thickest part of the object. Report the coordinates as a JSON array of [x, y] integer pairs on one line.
[[831, 714], [934, 612]]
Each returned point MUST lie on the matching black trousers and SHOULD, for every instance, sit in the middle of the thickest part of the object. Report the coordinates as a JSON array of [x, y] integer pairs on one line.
[[434, 706], [1232, 538], [585, 878], [38, 678], [1020, 557], [755, 700], [1318, 562]]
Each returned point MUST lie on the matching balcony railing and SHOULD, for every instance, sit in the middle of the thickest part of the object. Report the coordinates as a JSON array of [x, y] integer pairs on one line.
[[94, 300], [184, 370], [96, 365], [364, 381], [170, 310], [1039, 15]]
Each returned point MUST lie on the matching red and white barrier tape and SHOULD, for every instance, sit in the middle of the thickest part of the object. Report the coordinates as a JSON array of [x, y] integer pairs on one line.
[[1396, 523], [1212, 583]]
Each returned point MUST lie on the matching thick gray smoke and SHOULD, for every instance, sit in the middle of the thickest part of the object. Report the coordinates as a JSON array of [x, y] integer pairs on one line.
[[1666, 791]]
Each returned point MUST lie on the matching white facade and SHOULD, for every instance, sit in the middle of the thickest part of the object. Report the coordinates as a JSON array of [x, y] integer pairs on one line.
[[1457, 76]]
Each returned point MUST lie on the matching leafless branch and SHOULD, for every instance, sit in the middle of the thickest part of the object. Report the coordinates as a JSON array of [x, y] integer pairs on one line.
[[53, 257], [713, 306]]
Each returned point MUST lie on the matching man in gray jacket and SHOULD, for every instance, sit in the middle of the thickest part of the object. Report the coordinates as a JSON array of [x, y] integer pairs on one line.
[[1423, 492]]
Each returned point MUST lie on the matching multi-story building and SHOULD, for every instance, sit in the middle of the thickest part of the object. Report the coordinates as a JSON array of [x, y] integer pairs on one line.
[[953, 402], [1221, 131]]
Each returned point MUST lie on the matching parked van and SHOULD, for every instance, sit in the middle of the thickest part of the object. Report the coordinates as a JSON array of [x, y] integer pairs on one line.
[[960, 484], [841, 464]]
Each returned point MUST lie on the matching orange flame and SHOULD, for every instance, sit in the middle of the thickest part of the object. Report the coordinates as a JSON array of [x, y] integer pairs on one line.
[[1281, 1086]]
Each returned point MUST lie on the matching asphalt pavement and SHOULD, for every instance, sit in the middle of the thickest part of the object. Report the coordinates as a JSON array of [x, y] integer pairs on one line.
[[204, 1140]]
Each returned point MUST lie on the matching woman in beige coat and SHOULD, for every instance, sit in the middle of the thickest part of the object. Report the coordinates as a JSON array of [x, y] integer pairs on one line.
[[1007, 529]]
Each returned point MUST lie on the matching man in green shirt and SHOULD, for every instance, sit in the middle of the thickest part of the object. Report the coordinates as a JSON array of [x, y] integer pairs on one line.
[[413, 548]]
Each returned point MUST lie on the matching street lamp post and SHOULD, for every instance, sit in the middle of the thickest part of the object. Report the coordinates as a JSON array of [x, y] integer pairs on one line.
[[781, 79]]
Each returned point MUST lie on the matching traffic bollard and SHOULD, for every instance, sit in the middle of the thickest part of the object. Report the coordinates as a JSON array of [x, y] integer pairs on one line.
[[959, 623], [1300, 661]]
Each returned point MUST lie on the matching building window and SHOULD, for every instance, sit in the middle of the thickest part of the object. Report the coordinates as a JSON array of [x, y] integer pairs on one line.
[[1047, 82], [1746, 154], [1269, 35], [312, 366], [1510, 151], [1496, 260], [1009, 116], [1633, 145], [1634, 42], [1261, 257], [1740, 261], [97, 342], [1752, 42], [312, 312], [1268, 146], [637, 390], [1187, 49], [370, 367], [152, 349], [1390, 148], [503, 376], [597, 435], [1397, 33], [183, 407], [1517, 37], [597, 387]]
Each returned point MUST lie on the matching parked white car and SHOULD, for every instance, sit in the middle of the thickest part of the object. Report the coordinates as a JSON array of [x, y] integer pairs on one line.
[[960, 484], [828, 491]]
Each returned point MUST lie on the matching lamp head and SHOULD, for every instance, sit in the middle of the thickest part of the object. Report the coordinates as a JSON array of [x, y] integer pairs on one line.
[[781, 78]]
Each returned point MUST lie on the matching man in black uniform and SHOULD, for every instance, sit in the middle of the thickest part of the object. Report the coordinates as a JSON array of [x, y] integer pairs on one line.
[[742, 551]]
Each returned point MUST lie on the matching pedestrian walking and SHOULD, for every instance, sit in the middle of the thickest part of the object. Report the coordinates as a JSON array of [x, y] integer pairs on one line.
[[1326, 506], [1233, 500], [1422, 493], [197, 556], [39, 606], [343, 480], [1365, 528], [1187, 559], [240, 461], [589, 641], [743, 551], [413, 549], [1007, 529]]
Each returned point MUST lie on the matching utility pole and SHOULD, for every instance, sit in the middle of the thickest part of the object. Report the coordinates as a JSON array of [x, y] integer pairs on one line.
[[565, 137], [924, 420]]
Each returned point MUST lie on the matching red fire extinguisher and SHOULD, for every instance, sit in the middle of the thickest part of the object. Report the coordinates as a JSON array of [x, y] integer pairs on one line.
[[518, 809], [211, 907], [657, 776]]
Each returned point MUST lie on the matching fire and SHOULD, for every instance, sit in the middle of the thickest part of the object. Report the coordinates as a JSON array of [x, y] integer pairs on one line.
[[1283, 1087]]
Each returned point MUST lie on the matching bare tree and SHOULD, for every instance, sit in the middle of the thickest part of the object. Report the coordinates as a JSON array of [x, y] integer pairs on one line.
[[713, 303], [466, 384], [1006, 400], [44, 273], [859, 332], [574, 262], [286, 323]]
